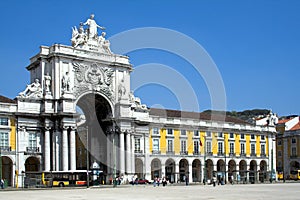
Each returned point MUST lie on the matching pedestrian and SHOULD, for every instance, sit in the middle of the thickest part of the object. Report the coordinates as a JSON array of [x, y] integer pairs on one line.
[[186, 180], [232, 179], [164, 181], [214, 181], [155, 182], [2, 183], [158, 181]]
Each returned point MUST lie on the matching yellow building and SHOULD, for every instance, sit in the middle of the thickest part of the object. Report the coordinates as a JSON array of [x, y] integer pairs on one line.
[[7, 139], [288, 140], [181, 142]]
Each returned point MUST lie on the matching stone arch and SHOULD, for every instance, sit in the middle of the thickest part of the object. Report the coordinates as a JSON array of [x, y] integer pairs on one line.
[[98, 112], [183, 169], [7, 170], [196, 173], [170, 170], [263, 171], [232, 170], [139, 168], [221, 170], [294, 165], [253, 171], [156, 168], [209, 169], [243, 171], [32, 164]]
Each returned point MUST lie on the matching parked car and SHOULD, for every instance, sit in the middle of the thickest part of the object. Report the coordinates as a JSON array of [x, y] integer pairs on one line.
[[140, 181]]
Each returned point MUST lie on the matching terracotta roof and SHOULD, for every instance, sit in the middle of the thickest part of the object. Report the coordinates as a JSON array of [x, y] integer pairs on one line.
[[4, 99], [296, 127], [282, 121], [195, 115]]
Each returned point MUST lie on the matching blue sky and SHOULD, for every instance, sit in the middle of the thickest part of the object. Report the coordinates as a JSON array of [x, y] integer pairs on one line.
[[254, 44]]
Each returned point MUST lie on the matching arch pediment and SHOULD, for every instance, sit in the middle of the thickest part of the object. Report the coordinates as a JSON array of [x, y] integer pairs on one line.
[[94, 78]]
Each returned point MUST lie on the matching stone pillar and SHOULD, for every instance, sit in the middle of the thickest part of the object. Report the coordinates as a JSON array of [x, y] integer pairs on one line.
[[177, 177], [65, 148], [47, 149], [133, 156], [190, 175], [73, 149], [122, 153], [226, 172], [56, 150], [128, 154]]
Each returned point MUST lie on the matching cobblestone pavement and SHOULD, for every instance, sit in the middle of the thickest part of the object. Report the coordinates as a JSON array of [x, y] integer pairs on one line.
[[171, 192]]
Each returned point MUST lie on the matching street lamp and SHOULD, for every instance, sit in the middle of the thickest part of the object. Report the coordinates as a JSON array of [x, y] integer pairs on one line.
[[87, 158], [115, 129], [204, 178]]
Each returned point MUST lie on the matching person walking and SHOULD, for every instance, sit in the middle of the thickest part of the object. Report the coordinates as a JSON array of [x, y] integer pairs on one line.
[[214, 181]]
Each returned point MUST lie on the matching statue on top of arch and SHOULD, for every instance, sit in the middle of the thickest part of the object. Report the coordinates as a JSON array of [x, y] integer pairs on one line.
[[81, 36]]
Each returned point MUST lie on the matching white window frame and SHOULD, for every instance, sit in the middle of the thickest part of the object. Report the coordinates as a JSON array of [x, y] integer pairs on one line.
[[154, 145]]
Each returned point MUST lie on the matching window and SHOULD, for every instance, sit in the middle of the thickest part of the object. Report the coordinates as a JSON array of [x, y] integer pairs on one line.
[[32, 140], [231, 135], [220, 134], [293, 140], [170, 131], [252, 149], [294, 151], [252, 137], [137, 145], [242, 136], [263, 149], [155, 144], [170, 145], [208, 134], [183, 132], [196, 146], [231, 147], [262, 137], [183, 146], [196, 133], [279, 142], [155, 131], [208, 146], [242, 148], [4, 139], [4, 121], [279, 154], [220, 147]]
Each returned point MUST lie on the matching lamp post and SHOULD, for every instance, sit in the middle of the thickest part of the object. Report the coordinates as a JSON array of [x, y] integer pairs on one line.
[[87, 158], [204, 178], [225, 159], [114, 153]]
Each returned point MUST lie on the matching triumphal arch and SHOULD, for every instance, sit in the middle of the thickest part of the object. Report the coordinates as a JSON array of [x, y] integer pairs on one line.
[[79, 99]]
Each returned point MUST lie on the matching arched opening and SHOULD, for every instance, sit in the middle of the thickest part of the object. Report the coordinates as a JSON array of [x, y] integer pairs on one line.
[[196, 174], [231, 171], [7, 170], [95, 134], [170, 170], [242, 171], [253, 171], [209, 169], [294, 165], [139, 168], [183, 170], [32, 164], [221, 170], [155, 168], [262, 171]]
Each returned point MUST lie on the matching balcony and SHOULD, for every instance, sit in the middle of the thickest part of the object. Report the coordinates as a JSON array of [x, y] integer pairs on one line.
[[196, 153], [156, 152], [231, 154], [5, 149], [183, 153], [263, 155], [243, 155], [32, 150], [209, 153], [221, 154], [138, 153], [253, 154], [170, 152], [293, 156]]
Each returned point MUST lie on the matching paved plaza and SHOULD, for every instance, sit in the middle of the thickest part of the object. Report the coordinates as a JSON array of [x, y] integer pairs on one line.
[[180, 192]]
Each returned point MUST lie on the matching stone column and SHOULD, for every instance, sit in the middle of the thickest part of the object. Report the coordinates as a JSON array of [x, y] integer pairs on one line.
[[128, 154], [47, 149], [73, 149], [122, 153], [65, 148], [226, 172], [133, 155], [190, 175], [56, 150], [177, 177]]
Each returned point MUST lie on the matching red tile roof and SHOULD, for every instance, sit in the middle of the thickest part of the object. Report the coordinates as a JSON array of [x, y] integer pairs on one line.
[[4, 99], [296, 127], [195, 115]]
